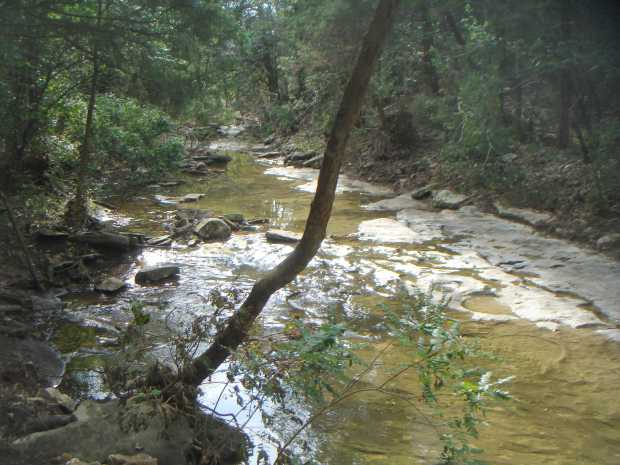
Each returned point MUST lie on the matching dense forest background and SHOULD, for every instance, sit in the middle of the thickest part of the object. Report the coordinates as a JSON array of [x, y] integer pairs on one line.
[[517, 99]]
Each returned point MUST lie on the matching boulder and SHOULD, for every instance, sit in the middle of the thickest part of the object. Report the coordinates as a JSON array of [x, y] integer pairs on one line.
[[104, 429], [608, 241], [110, 285], [158, 273], [138, 459], [213, 229], [448, 199], [66, 403], [280, 236]]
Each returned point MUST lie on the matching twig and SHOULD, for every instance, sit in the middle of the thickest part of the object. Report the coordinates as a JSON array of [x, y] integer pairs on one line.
[[22, 243]]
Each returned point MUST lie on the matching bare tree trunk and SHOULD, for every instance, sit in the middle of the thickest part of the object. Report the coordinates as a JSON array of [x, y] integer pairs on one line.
[[565, 84], [427, 43], [78, 214], [236, 330]]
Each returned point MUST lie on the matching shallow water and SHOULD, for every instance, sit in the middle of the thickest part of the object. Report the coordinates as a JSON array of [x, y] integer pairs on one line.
[[565, 408]]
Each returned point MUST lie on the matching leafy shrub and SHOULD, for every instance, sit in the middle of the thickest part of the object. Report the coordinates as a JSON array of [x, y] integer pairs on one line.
[[135, 135]]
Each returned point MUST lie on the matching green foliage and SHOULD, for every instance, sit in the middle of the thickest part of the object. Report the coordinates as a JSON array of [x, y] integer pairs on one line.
[[605, 166]]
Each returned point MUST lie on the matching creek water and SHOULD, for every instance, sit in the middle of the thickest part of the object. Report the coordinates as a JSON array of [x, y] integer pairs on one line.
[[546, 309]]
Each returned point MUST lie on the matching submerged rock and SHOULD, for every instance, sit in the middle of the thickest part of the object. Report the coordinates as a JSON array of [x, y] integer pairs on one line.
[[213, 229], [110, 285], [448, 199], [158, 273], [191, 198], [280, 236]]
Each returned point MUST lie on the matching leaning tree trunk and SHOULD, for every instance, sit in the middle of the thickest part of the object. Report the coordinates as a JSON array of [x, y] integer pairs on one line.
[[237, 327], [77, 211]]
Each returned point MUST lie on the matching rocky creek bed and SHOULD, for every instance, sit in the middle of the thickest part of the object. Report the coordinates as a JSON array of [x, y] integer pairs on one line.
[[549, 309]]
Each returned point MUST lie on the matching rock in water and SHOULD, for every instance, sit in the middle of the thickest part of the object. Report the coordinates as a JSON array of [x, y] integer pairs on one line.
[[105, 240], [191, 198], [217, 159], [447, 199], [280, 236], [158, 273], [110, 285], [213, 229]]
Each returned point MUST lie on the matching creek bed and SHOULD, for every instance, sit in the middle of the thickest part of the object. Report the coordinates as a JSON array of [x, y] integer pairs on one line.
[[559, 346]]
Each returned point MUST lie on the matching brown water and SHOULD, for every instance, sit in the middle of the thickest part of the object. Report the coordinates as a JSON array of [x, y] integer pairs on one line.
[[566, 409]]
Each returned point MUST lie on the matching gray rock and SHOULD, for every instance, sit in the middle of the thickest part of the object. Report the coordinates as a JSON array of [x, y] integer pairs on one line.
[[110, 285], [280, 236], [608, 241], [66, 403], [104, 429], [213, 229], [524, 215], [509, 157], [158, 273], [270, 155], [448, 199], [46, 303], [270, 140]]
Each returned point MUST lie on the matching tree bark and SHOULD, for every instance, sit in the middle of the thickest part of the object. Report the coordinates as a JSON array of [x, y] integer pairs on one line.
[[79, 213], [427, 44], [237, 327], [565, 84]]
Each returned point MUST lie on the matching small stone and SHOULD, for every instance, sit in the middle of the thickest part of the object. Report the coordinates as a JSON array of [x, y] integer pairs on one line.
[[158, 273], [280, 236], [608, 241], [509, 157], [110, 285], [138, 459]]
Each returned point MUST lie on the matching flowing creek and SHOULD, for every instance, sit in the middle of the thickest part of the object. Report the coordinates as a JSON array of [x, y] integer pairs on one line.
[[548, 309]]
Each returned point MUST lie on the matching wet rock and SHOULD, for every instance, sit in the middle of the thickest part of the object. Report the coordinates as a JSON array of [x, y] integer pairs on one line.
[[397, 203], [66, 403], [191, 198], [104, 429], [524, 215], [270, 155], [21, 358], [158, 273], [608, 241], [445, 199], [283, 237], [46, 423], [138, 459], [105, 240], [110, 285], [213, 229]]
